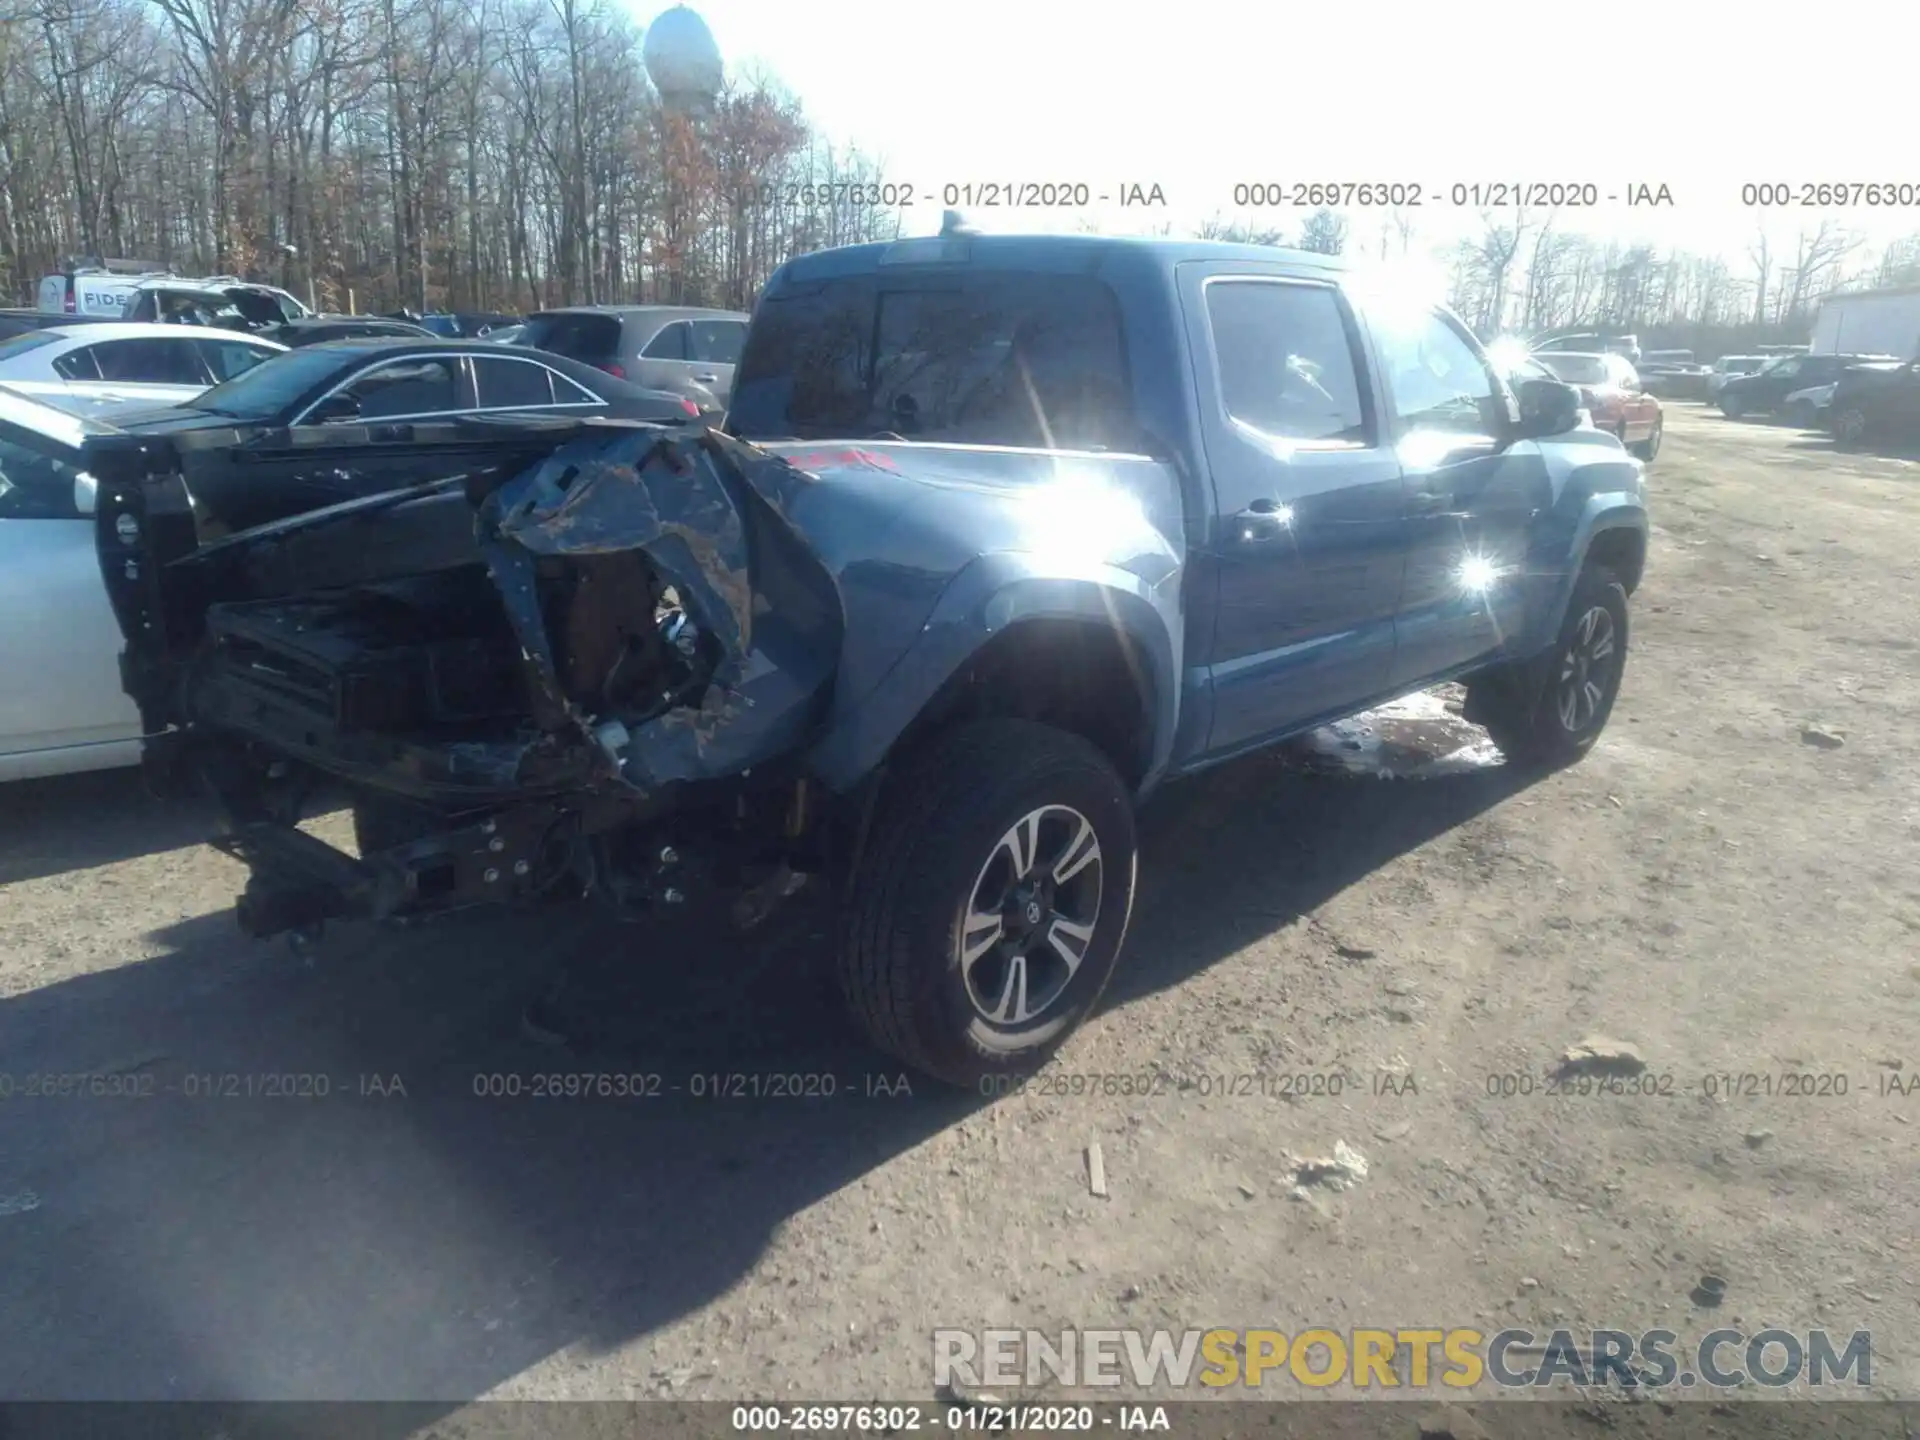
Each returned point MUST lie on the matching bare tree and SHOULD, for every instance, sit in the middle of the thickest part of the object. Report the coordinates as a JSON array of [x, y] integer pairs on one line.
[[479, 153], [1817, 258], [1761, 254], [1325, 232]]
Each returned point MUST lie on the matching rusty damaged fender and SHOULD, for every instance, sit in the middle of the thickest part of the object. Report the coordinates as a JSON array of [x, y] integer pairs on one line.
[[703, 512]]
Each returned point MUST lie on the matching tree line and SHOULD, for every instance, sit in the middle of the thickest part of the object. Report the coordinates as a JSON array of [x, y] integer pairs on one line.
[[511, 154], [1530, 273], [434, 154]]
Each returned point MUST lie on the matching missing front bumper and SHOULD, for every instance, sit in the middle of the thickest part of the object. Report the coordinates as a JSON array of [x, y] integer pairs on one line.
[[298, 881]]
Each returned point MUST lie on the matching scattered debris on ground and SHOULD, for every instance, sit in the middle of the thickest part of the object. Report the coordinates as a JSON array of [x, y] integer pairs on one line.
[[1599, 1055], [1447, 1423], [1345, 1168], [1709, 1292]]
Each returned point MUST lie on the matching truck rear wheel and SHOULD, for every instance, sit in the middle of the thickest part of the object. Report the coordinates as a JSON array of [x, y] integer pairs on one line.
[[989, 906], [1549, 711]]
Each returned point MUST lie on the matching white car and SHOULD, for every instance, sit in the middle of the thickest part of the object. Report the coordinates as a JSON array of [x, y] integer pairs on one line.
[[1808, 408], [62, 709], [223, 303], [120, 361]]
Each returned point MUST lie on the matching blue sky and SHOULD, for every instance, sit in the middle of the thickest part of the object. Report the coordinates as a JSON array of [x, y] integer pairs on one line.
[[1198, 98]]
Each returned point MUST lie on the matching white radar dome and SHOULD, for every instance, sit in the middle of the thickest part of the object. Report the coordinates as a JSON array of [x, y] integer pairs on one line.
[[682, 59]]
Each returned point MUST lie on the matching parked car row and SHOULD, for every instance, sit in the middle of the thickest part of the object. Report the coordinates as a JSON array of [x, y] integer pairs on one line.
[[332, 421], [1789, 385], [1674, 375], [1859, 397]]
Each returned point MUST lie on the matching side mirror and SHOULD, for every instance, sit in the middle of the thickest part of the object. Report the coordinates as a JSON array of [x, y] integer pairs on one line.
[[1547, 408], [334, 409], [86, 493]]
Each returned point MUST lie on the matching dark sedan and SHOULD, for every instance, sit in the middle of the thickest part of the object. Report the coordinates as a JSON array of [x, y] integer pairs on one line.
[[375, 379], [347, 418]]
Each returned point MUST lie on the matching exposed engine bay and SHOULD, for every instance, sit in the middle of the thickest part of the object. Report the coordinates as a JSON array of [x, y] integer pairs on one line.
[[525, 683]]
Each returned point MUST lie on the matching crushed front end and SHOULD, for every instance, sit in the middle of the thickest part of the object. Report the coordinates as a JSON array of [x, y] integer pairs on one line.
[[584, 666]]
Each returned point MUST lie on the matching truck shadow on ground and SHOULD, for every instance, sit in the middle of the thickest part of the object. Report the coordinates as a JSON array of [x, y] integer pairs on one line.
[[77, 822], [198, 1242]]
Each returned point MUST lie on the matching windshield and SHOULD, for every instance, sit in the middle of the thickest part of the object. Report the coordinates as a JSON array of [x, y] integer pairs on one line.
[[271, 386], [1577, 369], [27, 340], [996, 358]]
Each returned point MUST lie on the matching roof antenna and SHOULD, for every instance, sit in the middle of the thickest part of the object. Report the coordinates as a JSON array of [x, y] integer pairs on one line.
[[952, 222]]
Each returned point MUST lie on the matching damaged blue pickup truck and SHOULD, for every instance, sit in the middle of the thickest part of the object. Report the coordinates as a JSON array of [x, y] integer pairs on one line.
[[1000, 533]]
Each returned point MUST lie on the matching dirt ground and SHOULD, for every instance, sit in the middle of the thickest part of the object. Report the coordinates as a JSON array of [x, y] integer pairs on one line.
[[1729, 894]]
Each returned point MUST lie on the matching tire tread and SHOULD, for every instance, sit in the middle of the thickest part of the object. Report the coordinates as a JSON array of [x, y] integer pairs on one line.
[[932, 796]]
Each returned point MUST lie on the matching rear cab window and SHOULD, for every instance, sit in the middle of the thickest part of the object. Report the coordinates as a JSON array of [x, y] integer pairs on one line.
[[992, 357], [1287, 362]]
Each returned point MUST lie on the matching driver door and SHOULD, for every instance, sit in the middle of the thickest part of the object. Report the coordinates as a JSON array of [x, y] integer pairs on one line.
[[386, 427], [1301, 557], [1473, 489]]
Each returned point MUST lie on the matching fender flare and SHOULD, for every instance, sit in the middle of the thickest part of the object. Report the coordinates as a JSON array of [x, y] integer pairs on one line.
[[995, 593], [1603, 513]]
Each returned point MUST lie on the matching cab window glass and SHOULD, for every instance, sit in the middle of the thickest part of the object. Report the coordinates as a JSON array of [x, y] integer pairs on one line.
[[1438, 381], [1286, 360]]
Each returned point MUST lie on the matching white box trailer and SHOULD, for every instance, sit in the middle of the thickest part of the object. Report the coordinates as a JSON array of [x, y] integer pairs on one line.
[[1870, 322]]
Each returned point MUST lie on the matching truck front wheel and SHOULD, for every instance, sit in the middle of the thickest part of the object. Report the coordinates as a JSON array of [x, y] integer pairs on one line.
[[1550, 710], [991, 899]]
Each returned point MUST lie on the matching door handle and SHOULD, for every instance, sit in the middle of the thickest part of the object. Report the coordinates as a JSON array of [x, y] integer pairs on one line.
[[707, 379], [1262, 522], [1433, 504]]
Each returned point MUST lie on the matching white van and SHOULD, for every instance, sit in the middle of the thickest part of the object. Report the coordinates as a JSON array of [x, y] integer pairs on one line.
[[94, 289]]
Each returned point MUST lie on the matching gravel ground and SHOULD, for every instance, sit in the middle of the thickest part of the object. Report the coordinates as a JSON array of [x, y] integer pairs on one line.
[[1728, 883]]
